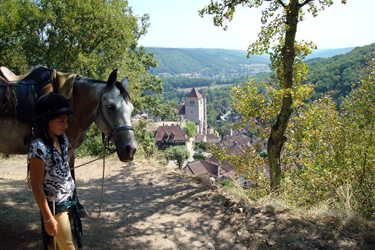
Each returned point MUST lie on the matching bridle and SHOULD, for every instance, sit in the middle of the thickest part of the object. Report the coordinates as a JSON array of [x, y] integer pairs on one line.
[[111, 128]]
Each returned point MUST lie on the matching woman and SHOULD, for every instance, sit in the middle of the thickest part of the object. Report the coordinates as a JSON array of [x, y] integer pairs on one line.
[[49, 174]]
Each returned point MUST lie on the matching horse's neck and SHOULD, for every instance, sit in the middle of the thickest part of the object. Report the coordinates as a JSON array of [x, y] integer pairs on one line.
[[85, 100]]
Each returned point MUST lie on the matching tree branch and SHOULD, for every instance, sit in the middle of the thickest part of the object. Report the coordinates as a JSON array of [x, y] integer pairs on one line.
[[281, 3], [305, 2]]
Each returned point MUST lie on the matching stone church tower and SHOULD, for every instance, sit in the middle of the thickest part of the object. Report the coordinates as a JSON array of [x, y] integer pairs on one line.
[[196, 110]]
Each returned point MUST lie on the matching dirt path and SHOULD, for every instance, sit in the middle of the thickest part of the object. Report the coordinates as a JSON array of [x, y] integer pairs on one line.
[[144, 207], [154, 207]]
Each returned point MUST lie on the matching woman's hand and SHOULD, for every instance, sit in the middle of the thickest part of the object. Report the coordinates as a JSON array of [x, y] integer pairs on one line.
[[51, 227]]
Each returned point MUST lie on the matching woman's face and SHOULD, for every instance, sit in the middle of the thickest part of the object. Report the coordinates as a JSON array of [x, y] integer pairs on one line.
[[58, 125]]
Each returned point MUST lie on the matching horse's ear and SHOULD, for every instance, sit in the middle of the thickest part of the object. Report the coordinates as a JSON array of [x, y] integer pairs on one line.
[[125, 83], [112, 78]]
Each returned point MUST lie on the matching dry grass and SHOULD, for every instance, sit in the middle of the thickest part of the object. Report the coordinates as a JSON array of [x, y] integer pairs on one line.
[[334, 218]]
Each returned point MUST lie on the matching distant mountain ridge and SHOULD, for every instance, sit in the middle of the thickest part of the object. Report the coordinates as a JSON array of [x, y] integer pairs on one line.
[[217, 63]]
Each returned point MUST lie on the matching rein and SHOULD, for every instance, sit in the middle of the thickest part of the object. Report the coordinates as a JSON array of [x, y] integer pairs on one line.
[[101, 194], [106, 139]]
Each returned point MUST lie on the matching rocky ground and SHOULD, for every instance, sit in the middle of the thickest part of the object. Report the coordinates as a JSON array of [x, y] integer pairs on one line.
[[148, 206]]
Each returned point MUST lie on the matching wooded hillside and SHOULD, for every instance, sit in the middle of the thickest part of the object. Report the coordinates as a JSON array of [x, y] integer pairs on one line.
[[207, 63]]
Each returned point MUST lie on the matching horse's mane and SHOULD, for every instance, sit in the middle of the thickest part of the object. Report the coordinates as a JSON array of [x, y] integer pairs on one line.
[[123, 91]]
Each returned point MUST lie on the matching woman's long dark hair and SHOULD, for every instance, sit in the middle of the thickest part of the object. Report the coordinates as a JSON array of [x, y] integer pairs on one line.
[[41, 131]]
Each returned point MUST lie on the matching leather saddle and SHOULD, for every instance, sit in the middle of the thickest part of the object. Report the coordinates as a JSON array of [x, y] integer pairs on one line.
[[23, 91]]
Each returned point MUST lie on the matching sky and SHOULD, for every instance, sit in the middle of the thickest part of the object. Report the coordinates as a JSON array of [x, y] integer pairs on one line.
[[176, 24]]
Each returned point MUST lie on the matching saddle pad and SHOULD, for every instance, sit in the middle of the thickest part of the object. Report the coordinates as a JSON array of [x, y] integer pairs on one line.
[[63, 84]]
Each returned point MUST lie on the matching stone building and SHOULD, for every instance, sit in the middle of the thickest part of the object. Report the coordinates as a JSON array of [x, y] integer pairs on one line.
[[194, 110], [167, 136]]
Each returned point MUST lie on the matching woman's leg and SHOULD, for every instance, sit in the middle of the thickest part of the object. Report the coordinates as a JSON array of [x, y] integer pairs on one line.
[[64, 237]]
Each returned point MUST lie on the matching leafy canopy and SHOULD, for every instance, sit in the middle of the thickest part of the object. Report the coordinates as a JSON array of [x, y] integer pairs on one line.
[[278, 35], [90, 38]]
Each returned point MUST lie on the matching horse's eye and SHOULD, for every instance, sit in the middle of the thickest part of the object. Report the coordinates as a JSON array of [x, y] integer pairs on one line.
[[111, 107]]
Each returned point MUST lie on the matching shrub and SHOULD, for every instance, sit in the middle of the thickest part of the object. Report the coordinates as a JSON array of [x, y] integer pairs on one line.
[[203, 146], [199, 157]]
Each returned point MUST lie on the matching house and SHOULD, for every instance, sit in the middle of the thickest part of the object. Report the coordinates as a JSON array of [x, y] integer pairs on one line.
[[212, 138], [210, 129], [166, 136], [242, 140], [206, 138], [181, 111], [240, 131], [199, 138], [209, 169]]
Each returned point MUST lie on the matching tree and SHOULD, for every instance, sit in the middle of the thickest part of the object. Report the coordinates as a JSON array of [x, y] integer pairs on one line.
[[190, 128], [178, 153], [90, 38], [280, 20]]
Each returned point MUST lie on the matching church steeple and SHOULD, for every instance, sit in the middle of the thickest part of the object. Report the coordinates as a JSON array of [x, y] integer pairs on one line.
[[196, 110], [194, 94]]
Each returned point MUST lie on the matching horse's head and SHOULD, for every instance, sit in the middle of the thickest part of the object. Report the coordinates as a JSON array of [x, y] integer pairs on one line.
[[113, 117]]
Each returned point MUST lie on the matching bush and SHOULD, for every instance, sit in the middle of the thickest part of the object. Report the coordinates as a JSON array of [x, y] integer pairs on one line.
[[225, 182], [199, 157], [263, 154], [203, 146]]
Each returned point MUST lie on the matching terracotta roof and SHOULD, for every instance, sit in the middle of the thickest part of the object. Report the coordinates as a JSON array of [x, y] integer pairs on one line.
[[242, 140], [199, 138], [194, 94], [232, 138], [235, 149], [170, 133], [212, 137], [195, 168], [180, 109], [211, 168], [201, 168]]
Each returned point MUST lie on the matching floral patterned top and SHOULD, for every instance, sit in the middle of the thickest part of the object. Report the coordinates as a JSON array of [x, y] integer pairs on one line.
[[58, 183]]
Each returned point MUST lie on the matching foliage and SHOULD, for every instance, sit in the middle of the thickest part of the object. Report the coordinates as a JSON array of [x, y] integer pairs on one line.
[[93, 145], [225, 182], [333, 75], [221, 126], [249, 164], [178, 154], [336, 75], [190, 128], [329, 151], [217, 100], [144, 138], [263, 154], [202, 145], [90, 38], [170, 83], [199, 157], [278, 34]]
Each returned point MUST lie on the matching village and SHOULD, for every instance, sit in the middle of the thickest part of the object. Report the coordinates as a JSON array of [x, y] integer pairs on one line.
[[236, 141]]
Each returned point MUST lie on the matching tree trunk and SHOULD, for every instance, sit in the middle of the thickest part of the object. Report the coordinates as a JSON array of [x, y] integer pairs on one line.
[[277, 137]]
